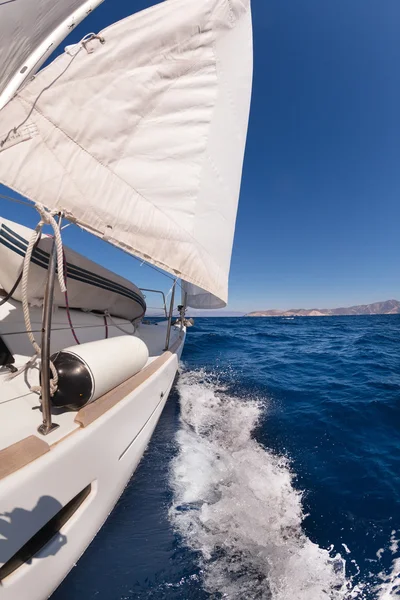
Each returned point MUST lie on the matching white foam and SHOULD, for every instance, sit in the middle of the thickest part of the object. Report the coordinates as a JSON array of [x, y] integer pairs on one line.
[[389, 589], [235, 504], [394, 543]]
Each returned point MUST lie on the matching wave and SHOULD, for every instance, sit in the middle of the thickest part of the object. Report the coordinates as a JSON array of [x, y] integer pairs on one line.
[[235, 505]]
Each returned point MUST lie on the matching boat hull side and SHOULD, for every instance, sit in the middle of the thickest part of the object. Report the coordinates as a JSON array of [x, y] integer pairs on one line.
[[104, 454]]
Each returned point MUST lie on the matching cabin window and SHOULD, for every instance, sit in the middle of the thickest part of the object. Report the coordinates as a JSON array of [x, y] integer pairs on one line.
[[45, 535]]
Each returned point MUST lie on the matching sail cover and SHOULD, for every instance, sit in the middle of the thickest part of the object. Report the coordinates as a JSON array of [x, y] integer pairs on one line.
[[24, 25], [139, 136]]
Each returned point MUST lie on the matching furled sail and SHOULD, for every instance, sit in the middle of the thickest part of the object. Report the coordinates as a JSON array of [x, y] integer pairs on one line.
[[138, 135], [31, 26]]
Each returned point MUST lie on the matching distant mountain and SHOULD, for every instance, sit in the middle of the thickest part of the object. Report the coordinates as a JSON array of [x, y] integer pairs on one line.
[[389, 307], [196, 312]]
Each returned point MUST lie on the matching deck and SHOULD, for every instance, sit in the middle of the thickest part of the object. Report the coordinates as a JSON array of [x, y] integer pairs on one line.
[[20, 413]]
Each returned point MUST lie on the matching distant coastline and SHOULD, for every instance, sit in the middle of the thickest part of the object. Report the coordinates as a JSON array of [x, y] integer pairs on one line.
[[388, 307]]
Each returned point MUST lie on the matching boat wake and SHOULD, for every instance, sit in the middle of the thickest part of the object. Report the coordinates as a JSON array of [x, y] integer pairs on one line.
[[234, 504]]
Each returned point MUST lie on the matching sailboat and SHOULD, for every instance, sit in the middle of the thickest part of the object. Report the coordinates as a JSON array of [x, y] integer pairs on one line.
[[136, 134]]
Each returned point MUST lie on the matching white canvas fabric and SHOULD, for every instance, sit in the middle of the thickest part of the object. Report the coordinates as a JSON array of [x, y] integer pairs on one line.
[[140, 139], [24, 25], [90, 286], [196, 297]]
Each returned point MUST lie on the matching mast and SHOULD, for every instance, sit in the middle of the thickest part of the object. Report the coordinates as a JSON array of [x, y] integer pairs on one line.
[[42, 52]]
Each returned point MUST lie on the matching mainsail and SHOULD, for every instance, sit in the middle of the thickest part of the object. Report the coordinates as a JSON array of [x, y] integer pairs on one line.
[[138, 136]]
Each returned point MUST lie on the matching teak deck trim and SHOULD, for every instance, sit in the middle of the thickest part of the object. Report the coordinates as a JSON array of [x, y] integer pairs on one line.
[[25, 451], [20, 454], [93, 411]]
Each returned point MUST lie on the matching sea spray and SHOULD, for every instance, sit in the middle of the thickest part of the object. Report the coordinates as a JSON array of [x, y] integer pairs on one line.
[[388, 587], [235, 504]]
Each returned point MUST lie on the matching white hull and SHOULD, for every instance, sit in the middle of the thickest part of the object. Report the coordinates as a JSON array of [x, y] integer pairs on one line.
[[102, 454]]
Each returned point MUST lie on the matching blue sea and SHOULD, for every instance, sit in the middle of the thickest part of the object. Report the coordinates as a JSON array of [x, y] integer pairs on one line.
[[273, 474]]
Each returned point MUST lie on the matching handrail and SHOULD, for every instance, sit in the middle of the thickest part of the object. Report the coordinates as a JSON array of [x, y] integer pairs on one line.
[[157, 292]]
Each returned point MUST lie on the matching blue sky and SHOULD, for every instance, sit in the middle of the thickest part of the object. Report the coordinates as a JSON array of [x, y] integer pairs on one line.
[[319, 214]]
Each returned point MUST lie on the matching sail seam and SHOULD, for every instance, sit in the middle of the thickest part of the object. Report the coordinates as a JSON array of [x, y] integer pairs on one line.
[[203, 28], [114, 175], [33, 107]]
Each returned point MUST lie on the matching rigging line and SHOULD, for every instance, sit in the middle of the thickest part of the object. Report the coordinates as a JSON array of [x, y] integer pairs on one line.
[[18, 280], [47, 87], [16, 200], [14, 129], [147, 264], [107, 314]]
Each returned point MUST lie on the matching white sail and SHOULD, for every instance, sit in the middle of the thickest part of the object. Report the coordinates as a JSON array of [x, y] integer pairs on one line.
[[30, 30], [140, 139], [196, 297]]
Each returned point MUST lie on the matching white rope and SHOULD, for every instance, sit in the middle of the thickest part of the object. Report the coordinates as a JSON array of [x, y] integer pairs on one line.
[[24, 284], [46, 218], [107, 314]]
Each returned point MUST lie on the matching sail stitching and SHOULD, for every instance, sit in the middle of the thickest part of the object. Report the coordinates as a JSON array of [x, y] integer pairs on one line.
[[113, 174], [15, 129], [202, 29]]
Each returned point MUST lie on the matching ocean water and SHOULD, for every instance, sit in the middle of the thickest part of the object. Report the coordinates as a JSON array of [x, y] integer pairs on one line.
[[274, 472]]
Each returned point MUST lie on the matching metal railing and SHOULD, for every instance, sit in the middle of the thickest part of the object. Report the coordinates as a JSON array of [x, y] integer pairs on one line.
[[47, 425], [171, 310], [157, 292], [168, 315]]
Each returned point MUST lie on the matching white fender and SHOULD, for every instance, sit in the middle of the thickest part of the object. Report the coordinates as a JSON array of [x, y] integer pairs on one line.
[[107, 362]]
